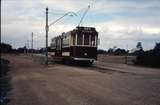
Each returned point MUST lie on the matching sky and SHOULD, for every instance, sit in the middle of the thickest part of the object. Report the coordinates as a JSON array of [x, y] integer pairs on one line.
[[120, 23]]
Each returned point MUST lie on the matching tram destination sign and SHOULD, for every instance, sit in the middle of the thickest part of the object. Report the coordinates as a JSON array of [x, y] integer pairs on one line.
[[88, 29]]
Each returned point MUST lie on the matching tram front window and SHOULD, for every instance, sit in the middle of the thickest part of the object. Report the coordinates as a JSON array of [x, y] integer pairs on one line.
[[79, 39], [86, 39], [93, 40]]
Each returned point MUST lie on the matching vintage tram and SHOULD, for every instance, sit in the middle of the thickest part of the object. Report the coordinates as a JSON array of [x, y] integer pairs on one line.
[[79, 45]]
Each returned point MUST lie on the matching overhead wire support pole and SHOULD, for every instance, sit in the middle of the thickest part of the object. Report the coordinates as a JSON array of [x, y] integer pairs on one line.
[[47, 29]]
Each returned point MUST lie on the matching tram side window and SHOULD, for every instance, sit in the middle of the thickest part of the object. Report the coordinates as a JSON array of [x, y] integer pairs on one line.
[[86, 39], [58, 44], [79, 39], [93, 40], [66, 41], [53, 44], [73, 39]]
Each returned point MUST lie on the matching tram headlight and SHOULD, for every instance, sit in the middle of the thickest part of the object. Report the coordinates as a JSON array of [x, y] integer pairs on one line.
[[85, 54]]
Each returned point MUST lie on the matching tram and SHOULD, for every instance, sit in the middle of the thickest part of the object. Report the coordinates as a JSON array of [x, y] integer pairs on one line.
[[78, 45]]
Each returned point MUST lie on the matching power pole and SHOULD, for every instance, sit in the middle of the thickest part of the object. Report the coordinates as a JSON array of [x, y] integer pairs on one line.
[[47, 29], [126, 55], [32, 42], [27, 46]]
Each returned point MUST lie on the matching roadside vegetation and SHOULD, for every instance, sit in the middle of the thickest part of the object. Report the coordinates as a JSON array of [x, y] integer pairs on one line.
[[149, 58]]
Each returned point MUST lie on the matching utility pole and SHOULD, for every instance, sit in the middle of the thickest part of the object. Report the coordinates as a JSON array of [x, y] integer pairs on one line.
[[126, 55], [47, 29], [27, 46], [32, 42]]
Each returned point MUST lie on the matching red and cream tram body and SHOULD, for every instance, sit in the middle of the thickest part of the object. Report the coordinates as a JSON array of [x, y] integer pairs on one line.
[[79, 44]]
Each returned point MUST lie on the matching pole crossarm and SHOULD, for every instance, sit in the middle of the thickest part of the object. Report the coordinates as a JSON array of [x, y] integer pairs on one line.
[[68, 13]]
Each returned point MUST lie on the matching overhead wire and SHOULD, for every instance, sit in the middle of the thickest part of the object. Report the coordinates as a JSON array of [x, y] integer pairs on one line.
[[91, 15], [85, 13]]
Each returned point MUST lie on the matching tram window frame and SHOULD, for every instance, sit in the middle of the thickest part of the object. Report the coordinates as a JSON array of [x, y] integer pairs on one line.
[[93, 42], [53, 44], [66, 41], [96, 40], [79, 40], [73, 39], [58, 44], [86, 40]]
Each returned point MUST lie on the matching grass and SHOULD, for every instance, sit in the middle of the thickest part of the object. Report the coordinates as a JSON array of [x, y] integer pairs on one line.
[[116, 59]]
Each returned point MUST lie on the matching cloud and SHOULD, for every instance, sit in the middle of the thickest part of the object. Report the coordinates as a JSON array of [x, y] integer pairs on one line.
[[119, 22], [122, 35]]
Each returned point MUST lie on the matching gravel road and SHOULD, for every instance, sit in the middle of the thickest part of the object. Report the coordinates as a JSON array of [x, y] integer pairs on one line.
[[57, 84]]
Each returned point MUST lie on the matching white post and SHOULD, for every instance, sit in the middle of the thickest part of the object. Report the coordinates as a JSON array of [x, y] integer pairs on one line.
[[70, 40], [83, 40], [95, 40], [76, 40], [89, 40]]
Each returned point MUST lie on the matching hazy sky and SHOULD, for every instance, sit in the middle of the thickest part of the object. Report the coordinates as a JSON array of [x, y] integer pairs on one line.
[[120, 23]]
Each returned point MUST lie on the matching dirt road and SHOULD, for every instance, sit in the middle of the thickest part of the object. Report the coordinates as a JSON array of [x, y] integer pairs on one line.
[[36, 84]]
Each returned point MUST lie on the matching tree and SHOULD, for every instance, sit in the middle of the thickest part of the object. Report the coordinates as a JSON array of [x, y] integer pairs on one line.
[[150, 57], [139, 46], [110, 51], [157, 46], [5, 48], [101, 51], [120, 51]]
